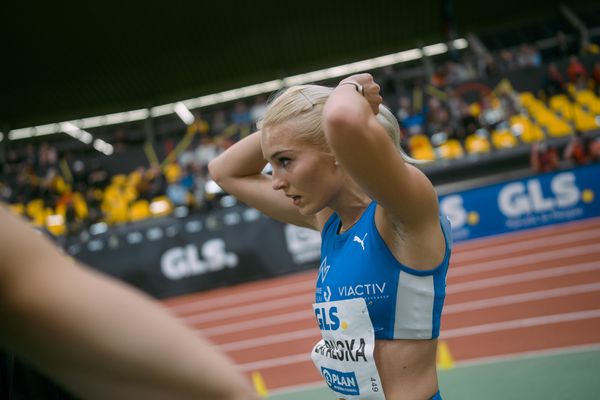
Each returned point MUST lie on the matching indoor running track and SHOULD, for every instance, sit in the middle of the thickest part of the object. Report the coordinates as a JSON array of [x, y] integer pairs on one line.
[[516, 293]]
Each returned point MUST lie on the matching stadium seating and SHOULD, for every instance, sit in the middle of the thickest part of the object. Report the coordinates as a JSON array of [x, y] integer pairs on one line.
[[477, 144], [421, 148]]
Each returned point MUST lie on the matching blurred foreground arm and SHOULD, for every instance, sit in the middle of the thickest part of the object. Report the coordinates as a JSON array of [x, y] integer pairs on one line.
[[95, 336]]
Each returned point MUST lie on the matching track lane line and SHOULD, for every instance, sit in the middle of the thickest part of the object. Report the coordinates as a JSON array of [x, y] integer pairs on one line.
[[224, 299], [516, 261], [444, 334], [456, 308], [459, 332]]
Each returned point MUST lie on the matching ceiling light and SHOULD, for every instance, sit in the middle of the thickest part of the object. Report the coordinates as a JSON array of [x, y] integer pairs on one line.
[[182, 111]]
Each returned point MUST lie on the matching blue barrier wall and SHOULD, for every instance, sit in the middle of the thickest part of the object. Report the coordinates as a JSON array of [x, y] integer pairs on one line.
[[172, 256], [515, 205]]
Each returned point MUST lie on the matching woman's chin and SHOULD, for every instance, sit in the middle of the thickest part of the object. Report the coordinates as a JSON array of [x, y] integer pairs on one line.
[[308, 210]]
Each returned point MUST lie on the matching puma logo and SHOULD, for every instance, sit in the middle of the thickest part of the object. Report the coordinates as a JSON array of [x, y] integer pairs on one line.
[[361, 241]]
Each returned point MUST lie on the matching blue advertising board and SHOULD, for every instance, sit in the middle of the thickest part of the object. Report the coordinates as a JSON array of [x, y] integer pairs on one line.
[[510, 206]]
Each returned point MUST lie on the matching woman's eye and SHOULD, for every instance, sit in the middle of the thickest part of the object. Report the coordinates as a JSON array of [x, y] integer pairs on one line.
[[284, 161]]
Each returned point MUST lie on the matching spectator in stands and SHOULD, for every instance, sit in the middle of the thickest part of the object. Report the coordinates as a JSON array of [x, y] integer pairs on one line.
[[596, 77], [257, 111], [594, 149], [79, 176], [143, 185], [206, 151], [576, 73], [578, 149], [31, 158], [491, 112], [153, 183], [438, 78], [241, 118], [489, 67], [404, 109], [509, 102], [188, 156], [590, 48], [554, 83], [73, 220], [119, 143], [528, 57], [389, 84], [202, 126], [543, 157], [98, 177], [438, 117], [47, 156], [457, 73], [93, 199], [412, 122], [13, 162], [469, 123], [219, 122], [178, 191], [507, 61], [563, 46]]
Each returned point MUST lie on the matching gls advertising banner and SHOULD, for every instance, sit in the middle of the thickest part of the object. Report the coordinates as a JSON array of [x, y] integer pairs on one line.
[[170, 256], [174, 256], [541, 200]]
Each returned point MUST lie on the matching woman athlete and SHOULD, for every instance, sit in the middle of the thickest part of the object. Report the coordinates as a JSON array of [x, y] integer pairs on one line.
[[385, 250]]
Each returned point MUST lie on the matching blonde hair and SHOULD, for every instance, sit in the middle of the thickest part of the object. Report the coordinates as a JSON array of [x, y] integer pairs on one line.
[[304, 104]]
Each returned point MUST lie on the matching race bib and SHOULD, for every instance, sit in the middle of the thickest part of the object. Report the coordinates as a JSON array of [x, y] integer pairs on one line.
[[344, 357]]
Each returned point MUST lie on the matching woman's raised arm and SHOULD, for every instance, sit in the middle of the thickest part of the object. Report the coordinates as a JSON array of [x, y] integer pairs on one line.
[[98, 337], [363, 147], [238, 171]]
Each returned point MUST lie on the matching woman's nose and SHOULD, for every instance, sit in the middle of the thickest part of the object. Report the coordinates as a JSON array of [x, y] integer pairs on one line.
[[277, 182]]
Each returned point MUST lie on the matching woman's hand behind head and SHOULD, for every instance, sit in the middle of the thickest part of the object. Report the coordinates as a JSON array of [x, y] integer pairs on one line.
[[370, 89]]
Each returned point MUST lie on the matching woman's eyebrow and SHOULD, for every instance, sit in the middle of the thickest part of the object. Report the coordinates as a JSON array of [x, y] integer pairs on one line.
[[277, 154]]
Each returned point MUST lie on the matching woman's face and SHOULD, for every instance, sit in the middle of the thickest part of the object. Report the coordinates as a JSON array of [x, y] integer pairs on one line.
[[304, 172]]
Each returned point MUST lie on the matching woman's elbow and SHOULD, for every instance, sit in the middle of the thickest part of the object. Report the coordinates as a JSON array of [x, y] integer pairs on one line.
[[214, 170], [339, 121], [339, 116]]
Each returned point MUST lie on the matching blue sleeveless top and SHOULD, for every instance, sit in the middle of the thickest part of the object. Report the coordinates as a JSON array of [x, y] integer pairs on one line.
[[403, 303]]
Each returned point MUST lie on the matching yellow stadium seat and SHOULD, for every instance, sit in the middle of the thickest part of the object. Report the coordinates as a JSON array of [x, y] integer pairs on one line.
[[111, 192], [55, 223], [584, 121], [590, 100], [561, 104], [425, 154], [421, 148], [450, 150], [475, 109], [526, 98], [526, 130], [503, 139], [119, 179], [130, 193], [161, 206], [81, 208], [34, 207], [477, 144], [139, 210], [115, 206], [172, 172], [134, 178]]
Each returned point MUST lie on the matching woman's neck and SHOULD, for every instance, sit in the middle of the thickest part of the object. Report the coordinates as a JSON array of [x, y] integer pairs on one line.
[[350, 204]]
